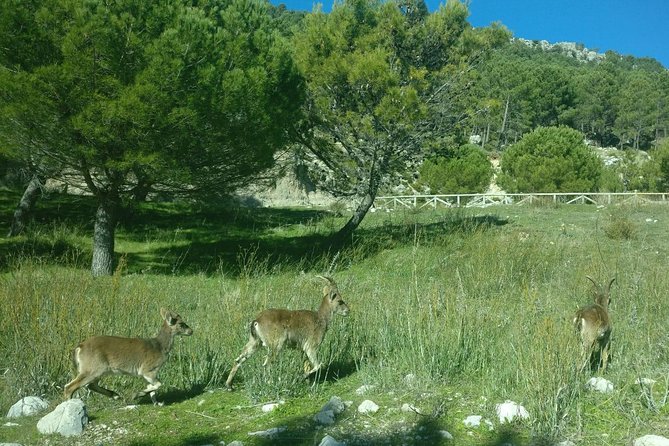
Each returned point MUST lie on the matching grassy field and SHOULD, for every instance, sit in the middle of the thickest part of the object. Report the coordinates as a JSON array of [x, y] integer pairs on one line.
[[452, 312]]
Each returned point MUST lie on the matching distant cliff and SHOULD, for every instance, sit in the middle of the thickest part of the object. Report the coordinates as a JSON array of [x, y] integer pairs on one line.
[[571, 49]]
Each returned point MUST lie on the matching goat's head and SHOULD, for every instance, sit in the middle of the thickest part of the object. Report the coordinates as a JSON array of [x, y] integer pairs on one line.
[[602, 295], [175, 323], [333, 297]]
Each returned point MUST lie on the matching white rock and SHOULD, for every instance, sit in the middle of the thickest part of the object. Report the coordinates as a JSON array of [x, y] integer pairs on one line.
[[325, 417], [329, 441], [368, 406], [269, 407], [509, 410], [67, 419], [335, 404], [566, 443], [10, 444], [327, 414], [27, 406], [269, 433], [236, 443], [599, 384], [651, 440], [406, 407], [473, 421], [476, 420], [645, 382], [364, 389], [446, 435]]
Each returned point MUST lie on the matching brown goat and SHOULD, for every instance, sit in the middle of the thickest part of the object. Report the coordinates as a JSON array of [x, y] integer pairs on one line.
[[594, 326], [103, 355], [302, 329]]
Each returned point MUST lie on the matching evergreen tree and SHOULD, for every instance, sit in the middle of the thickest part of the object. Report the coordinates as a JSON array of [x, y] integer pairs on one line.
[[140, 95], [550, 159]]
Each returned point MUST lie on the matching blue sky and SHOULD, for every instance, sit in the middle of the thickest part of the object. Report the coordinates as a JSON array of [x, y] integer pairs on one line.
[[636, 27]]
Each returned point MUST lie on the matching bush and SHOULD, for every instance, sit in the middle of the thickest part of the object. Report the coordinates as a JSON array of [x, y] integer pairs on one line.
[[660, 159], [465, 170], [550, 159], [620, 227], [634, 171]]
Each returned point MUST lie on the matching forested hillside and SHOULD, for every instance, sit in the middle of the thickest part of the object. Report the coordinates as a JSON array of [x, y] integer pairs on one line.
[[614, 100]]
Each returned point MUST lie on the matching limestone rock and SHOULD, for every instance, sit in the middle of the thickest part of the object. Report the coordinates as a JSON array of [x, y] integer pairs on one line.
[[67, 419], [27, 406]]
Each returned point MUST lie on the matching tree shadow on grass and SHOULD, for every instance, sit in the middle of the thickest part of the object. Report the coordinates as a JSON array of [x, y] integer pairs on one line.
[[187, 238], [190, 440], [237, 254], [353, 428]]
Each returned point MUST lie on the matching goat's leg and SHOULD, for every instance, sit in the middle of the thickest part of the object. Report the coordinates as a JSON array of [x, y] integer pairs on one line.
[[151, 388], [249, 349], [81, 380], [94, 386], [605, 355], [313, 359]]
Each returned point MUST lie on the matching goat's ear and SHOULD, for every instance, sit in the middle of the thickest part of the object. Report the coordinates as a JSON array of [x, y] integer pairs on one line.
[[333, 294], [169, 317]]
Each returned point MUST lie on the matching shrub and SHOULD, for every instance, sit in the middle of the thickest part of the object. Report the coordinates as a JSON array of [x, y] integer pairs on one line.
[[465, 170], [550, 159], [620, 227]]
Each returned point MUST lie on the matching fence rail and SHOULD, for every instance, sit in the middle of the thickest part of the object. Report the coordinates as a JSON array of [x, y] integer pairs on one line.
[[485, 200]]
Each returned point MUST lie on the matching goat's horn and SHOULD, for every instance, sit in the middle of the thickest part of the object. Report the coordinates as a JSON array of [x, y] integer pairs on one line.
[[598, 286], [327, 279], [608, 287]]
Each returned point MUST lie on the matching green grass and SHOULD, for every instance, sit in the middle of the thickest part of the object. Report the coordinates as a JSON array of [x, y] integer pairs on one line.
[[476, 304]]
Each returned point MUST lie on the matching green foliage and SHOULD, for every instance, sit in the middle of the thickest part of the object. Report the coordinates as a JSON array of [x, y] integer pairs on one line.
[[660, 158], [635, 170], [620, 227], [143, 96], [381, 79], [550, 159], [467, 170], [618, 101], [154, 93]]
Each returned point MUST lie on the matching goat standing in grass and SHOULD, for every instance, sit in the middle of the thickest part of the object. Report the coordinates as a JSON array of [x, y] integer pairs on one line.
[[594, 326], [303, 329], [103, 355]]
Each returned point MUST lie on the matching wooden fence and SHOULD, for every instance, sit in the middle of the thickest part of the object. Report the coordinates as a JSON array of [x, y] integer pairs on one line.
[[485, 200]]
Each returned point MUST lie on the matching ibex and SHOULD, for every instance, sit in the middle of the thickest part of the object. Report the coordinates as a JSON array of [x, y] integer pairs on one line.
[[594, 325], [302, 329], [102, 355]]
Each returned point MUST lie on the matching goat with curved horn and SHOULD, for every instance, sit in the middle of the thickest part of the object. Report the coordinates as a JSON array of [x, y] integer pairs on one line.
[[593, 324], [302, 329]]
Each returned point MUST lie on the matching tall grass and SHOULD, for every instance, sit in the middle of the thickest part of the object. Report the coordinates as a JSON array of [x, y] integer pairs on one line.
[[478, 302]]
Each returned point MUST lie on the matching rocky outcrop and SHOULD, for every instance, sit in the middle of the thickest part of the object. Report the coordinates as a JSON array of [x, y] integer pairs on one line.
[[570, 49]]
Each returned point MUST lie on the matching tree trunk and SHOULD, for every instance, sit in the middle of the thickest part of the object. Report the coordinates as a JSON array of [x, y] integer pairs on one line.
[[502, 132], [103, 237], [25, 207], [365, 205]]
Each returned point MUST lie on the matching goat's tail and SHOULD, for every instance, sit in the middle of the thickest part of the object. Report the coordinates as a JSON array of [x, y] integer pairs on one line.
[[253, 328]]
